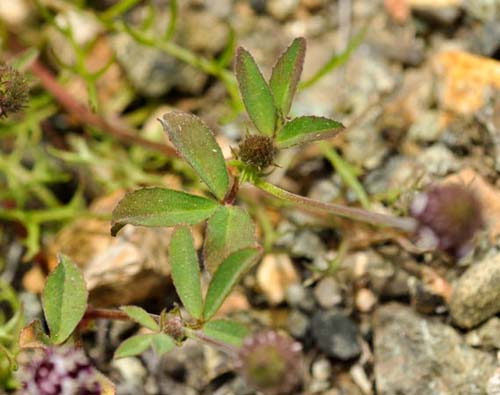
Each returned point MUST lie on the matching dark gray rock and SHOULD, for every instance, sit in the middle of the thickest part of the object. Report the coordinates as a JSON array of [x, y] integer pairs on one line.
[[415, 355], [336, 335], [476, 295]]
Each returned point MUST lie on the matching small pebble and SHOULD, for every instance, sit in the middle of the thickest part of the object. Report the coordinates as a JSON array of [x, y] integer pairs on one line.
[[336, 335], [131, 370], [486, 336], [328, 292], [476, 295], [275, 274], [322, 369], [282, 9], [298, 324], [365, 300]]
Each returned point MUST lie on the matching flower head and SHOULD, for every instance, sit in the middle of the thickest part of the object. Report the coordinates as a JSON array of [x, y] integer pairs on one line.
[[271, 362], [449, 216], [13, 91], [59, 371], [257, 151]]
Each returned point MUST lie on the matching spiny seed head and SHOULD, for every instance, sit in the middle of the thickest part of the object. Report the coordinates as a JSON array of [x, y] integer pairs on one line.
[[271, 362], [59, 371], [13, 91], [257, 151], [449, 216]]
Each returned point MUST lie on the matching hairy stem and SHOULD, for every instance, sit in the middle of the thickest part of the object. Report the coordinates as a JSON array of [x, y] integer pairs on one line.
[[404, 223], [200, 336]]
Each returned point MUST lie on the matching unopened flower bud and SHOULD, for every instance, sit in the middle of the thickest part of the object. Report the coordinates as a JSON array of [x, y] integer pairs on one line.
[[449, 217], [13, 91], [59, 371], [271, 362]]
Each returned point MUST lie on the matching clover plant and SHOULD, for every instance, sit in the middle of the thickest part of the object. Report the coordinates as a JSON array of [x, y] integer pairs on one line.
[[230, 247]]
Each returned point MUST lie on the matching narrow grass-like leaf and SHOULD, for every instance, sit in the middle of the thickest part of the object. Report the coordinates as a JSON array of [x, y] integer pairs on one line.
[[337, 60], [347, 173], [161, 207], [255, 92], [162, 343], [185, 271], [196, 144], [64, 299], [286, 75], [226, 331], [134, 345], [226, 277], [228, 230], [305, 129], [141, 316]]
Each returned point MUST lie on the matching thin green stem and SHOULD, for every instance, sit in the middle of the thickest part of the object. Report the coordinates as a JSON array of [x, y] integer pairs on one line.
[[346, 172], [404, 223]]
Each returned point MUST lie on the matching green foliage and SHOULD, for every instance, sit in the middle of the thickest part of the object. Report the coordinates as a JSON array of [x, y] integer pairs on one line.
[[197, 145], [64, 299], [162, 343], [230, 246], [228, 230], [256, 94], [268, 106], [286, 75], [11, 321], [226, 331], [305, 129], [141, 316], [161, 207], [137, 344], [28, 171], [134, 345], [186, 271], [225, 278]]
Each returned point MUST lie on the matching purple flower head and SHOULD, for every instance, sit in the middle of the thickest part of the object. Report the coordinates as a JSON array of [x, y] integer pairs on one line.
[[271, 362], [59, 371], [449, 217]]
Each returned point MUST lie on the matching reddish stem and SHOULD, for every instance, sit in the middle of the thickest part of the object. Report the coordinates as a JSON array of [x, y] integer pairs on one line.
[[82, 113], [93, 313]]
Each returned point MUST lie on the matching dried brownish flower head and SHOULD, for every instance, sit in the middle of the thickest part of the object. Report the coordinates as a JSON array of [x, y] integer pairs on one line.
[[271, 362], [13, 91], [449, 217], [257, 151], [59, 371]]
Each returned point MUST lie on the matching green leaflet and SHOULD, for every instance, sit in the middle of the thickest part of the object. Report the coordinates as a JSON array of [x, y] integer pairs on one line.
[[226, 331], [141, 316], [186, 271], [196, 143], [305, 129], [161, 207], [286, 75], [228, 230], [255, 92], [64, 299], [226, 277]]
